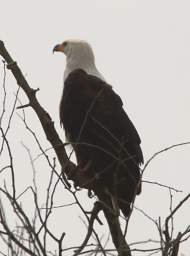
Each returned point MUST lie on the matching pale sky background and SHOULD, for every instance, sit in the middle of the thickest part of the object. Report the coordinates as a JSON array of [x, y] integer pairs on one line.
[[142, 48]]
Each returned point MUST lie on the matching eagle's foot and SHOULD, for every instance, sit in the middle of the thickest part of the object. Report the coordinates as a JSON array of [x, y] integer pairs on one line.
[[78, 175]]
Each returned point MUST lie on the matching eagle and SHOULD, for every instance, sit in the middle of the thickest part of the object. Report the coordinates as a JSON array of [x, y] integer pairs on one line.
[[105, 141]]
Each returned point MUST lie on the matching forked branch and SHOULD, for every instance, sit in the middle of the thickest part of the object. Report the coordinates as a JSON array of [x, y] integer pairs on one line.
[[68, 167]]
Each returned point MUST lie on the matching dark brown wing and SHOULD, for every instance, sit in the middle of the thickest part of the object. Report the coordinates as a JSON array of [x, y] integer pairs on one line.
[[102, 134], [86, 94]]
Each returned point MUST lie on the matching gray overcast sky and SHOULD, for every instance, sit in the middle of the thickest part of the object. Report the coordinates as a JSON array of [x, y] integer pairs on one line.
[[142, 48]]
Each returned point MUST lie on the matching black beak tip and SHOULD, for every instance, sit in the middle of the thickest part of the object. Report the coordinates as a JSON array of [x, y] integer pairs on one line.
[[55, 49]]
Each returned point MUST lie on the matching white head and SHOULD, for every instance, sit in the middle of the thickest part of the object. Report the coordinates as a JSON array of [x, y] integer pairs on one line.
[[79, 54]]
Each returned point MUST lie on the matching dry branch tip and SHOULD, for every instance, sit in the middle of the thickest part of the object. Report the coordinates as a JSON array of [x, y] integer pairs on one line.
[[24, 106]]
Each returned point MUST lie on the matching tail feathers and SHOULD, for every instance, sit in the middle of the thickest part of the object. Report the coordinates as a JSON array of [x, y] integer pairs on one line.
[[115, 203], [125, 207]]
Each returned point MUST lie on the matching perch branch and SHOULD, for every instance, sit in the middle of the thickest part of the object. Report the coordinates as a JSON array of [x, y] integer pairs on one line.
[[45, 119]]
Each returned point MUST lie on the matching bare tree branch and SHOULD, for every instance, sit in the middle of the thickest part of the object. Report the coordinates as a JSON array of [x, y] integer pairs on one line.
[[32, 240], [96, 209], [43, 116], [163, 151]]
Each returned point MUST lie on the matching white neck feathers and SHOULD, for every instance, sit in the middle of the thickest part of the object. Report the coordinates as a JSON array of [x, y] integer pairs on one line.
[[80, 56]]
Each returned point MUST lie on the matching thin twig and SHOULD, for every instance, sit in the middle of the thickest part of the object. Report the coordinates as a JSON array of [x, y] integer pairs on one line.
[[163, 151], [96, 209]]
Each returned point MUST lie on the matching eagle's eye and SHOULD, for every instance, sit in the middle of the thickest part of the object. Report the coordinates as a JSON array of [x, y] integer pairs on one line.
[[65, 43]]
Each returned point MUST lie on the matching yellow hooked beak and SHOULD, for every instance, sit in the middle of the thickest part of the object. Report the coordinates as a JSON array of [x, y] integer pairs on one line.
[[59, 48]]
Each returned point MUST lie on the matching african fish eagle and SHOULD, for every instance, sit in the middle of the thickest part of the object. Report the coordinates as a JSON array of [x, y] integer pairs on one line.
[[105, 141]]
